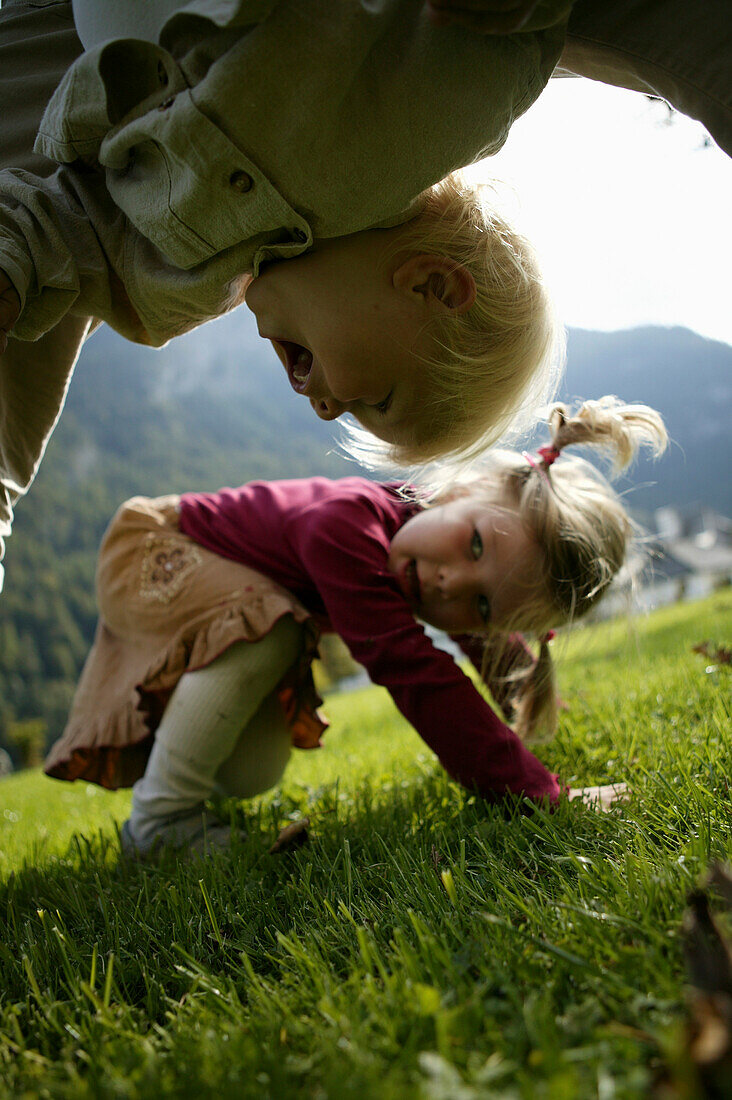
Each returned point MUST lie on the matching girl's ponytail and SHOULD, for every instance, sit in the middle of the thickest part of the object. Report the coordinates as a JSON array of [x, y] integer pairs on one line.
[[608, 423], [523, 686], [536, 700]]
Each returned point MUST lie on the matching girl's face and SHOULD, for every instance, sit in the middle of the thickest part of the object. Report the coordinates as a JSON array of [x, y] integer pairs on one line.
[[467, 566], [344, 336], [349, 324]]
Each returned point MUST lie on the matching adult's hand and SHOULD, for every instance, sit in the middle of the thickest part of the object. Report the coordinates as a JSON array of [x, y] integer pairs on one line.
[[9, 309], [482, 16]]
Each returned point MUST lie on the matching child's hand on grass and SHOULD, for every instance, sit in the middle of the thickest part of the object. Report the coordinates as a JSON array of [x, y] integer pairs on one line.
[[601, 798], [482, 16], [9, 309]]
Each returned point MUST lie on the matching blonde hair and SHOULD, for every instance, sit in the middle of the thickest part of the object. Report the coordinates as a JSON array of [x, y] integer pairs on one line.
[[498, 361], [580, 524]]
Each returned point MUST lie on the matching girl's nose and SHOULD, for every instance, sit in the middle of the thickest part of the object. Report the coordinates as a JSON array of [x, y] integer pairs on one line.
[[452, 582], [327, 408]]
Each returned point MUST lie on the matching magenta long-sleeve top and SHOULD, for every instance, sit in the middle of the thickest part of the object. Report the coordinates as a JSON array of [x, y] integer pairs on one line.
[[327, 541]]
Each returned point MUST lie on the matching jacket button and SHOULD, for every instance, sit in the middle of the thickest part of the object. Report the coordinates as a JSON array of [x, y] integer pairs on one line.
[[241, 182], [167, 103], [299, 235]]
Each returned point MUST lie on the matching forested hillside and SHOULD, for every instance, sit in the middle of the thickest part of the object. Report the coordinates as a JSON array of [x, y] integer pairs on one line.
[[215, 408]]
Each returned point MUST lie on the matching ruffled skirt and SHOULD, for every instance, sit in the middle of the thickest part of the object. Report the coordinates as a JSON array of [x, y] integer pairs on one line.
[[168, 606]]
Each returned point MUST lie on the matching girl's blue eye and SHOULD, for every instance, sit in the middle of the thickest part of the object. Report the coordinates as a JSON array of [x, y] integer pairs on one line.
[[476, 545], [484, 609]]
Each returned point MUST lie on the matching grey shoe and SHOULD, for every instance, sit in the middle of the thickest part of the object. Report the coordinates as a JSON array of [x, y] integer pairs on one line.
[[193, 834]]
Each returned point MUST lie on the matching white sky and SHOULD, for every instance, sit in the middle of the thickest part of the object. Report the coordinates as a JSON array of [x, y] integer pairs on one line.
[[631, 215]]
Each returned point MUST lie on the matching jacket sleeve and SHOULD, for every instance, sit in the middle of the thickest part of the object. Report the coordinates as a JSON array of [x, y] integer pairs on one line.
[[62, 244], [120, 231]]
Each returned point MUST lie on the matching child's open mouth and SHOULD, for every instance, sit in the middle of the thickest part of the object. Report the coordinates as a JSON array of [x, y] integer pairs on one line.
[[298, 362]]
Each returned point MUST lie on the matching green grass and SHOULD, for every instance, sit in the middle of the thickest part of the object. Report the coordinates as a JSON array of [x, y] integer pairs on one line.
[[422, 945]]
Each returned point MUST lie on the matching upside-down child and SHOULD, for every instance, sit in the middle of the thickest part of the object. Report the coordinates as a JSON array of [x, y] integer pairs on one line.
[[184, 163], [211, 603], [185, 147]]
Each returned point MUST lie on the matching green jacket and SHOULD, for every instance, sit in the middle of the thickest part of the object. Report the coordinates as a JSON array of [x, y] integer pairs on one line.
[[238, 131]]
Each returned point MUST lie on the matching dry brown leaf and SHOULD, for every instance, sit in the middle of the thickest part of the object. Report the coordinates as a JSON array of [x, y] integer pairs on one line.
[[709, 965], [720, 654], [292, 836]]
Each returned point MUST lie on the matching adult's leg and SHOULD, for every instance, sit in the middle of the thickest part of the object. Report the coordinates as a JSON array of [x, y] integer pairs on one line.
[[37, 45], [34, 379], [204, 739], [674, 49]]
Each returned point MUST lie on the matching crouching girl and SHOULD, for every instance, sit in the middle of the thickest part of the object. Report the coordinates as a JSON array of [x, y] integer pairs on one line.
[[211, 605]]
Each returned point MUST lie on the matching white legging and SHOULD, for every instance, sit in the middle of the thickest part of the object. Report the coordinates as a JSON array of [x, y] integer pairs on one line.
[[222, 728]]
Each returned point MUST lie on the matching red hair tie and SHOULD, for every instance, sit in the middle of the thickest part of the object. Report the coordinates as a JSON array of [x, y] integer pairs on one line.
[[549, 454], [546, 638]]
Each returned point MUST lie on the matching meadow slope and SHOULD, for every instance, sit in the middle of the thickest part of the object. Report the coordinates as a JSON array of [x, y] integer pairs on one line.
[[421, 945]]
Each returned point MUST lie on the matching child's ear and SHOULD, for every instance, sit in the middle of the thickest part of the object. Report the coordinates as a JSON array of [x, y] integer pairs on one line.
[[440, 281]]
